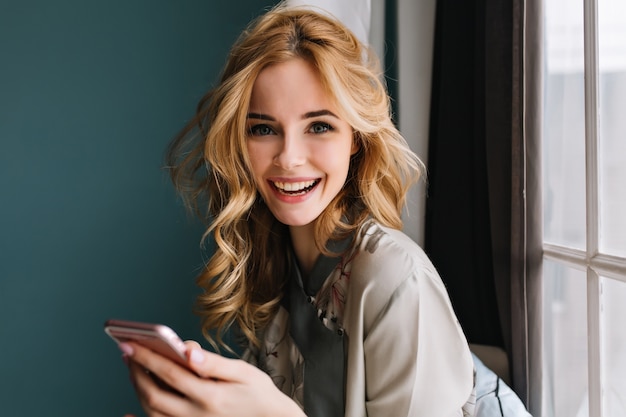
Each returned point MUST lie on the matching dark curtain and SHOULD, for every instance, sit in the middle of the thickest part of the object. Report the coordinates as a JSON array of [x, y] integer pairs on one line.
[[474, 203]]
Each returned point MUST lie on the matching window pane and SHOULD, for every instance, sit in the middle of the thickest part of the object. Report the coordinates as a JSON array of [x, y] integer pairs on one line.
[[612, 59], [614, 347], [564, 125], [565, 341]]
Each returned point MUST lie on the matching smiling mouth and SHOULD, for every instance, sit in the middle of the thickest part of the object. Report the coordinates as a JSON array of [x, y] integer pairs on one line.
[[294, 188]]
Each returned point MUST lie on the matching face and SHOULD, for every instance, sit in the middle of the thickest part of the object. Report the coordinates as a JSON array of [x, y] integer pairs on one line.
[[299, 147]]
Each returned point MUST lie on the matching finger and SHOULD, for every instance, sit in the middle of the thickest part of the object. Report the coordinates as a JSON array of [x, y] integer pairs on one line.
[[192, 344], [156, 399], [182, 380], [192, 390], [211, 365]]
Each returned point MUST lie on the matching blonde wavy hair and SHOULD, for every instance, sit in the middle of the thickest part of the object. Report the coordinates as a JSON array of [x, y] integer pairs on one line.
[[244, 279]]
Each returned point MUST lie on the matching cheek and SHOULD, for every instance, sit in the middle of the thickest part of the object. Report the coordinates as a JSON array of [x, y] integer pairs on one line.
[[254, 153], [260, 158], [337, 160]]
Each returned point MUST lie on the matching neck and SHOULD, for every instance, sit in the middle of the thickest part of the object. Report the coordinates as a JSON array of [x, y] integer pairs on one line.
[[303, 241]]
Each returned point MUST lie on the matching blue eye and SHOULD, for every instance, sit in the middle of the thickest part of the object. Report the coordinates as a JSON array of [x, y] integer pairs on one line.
[[261, 130], [320, 127]]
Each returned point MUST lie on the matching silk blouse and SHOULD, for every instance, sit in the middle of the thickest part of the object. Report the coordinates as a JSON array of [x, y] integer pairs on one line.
[[370, 332]]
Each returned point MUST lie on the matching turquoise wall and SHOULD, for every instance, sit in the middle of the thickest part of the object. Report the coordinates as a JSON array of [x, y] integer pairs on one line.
[[90, 94]]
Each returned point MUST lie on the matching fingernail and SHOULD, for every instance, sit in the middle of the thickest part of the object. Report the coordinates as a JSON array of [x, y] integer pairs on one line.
[[196, 356], [126, 348]]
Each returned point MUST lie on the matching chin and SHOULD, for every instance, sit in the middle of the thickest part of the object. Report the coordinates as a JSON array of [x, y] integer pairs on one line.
[[295, 221]]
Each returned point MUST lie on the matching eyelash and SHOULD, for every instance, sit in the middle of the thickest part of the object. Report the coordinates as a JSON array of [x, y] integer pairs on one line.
[[326, 126], [255, 130]]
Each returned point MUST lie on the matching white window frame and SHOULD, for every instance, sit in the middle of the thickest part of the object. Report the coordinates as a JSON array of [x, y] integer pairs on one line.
[[591, 260]]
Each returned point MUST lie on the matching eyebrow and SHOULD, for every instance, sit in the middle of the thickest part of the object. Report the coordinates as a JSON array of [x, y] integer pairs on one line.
[[319, 113], [308, 115], [261, 117]]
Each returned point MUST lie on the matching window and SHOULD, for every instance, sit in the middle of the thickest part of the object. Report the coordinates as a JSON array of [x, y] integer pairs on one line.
[[584, 209]]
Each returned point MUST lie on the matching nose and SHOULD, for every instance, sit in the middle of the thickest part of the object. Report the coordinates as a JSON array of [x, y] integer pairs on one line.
[[292, 152]]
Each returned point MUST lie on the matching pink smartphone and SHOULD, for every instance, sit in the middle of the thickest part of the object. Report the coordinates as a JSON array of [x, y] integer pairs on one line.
[[156, 337]]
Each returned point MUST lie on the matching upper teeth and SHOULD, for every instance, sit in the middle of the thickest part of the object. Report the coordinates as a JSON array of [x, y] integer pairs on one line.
[[293, 186]]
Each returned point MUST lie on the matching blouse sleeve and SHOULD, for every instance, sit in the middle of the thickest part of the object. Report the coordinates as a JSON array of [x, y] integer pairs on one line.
[[417, 360]]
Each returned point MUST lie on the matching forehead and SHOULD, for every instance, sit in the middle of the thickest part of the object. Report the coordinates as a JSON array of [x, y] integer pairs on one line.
[[293, 85]]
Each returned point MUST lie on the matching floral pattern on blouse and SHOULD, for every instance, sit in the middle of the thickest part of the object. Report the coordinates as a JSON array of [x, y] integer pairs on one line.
[[279, 356]]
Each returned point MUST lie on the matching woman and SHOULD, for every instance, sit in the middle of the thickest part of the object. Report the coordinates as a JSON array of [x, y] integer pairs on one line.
[[302, 176]]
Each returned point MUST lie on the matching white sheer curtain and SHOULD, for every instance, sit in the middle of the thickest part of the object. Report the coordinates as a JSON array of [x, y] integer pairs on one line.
[[356, 14], [416, 32]]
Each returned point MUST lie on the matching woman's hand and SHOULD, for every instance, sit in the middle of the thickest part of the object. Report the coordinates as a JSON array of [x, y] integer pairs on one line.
[[219, 386]]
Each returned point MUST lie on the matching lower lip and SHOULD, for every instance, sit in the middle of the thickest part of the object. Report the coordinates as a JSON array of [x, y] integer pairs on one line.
[[292, 199]]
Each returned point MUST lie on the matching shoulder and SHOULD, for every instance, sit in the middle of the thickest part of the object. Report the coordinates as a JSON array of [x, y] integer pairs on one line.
[[383, 263], [386, 257]]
